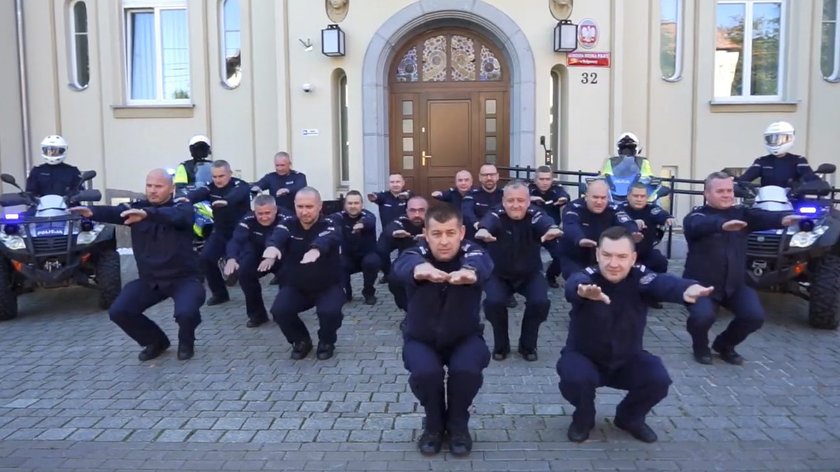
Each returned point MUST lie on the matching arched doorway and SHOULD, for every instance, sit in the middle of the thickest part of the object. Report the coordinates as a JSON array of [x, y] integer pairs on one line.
[[449, 107]]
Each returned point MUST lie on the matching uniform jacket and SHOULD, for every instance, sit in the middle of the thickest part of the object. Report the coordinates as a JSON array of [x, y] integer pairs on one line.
[[478, 202], [391, 206], [249, 236], [273, 182], [580, 223], [653, 216], [294, 241], [549, 197], [782, 171], [356, 244], [516, 251], [237, 194], [387, 242], [59, 179]]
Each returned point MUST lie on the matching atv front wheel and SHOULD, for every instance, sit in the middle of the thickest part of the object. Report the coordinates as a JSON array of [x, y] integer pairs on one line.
[[824, 310], [8, 297], [108, 277]]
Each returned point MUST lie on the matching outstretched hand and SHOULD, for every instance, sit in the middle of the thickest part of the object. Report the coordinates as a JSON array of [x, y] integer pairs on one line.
[[592, 292], [134, 215], [80, 210], [696, 291]]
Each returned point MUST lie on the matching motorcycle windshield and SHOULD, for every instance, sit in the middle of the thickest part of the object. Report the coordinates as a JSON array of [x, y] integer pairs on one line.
[[203, 174], [625, 174]]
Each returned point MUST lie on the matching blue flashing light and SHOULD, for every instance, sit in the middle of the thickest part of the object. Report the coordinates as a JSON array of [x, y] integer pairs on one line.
[[12, 216], [808, 210]]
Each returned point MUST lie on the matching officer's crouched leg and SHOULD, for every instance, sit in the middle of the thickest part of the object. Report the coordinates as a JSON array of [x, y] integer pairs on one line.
[[426, 382], [749, 317], [466, 364], [646, 381], [328, 308], [127, 313], [701, 317], [188, 295], [579, 377]]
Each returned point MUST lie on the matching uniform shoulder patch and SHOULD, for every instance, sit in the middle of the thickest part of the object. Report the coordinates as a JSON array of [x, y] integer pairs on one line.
[[647, 278], [592, 270], [655, 210]]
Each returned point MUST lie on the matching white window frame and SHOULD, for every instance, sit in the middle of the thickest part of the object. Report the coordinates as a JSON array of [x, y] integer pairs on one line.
[[746, 89], [834, 77], [343, 128], [223, 46], [678, 47], [156, 6], [71, 42]]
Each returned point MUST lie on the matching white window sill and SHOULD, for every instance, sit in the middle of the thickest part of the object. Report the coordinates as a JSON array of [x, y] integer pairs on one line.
[[753, 106], [154, 111]]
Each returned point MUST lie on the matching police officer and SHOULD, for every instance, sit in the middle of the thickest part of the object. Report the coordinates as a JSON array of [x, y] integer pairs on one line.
[[514, 233], [283, 183], [649, 218], [606, 330], [584, 220], [780, 167], [550, 198], [230, 199], [391, 202], [717, 245], [244, 253], [455, 195], [444, 275], [358, 245], [479, 201], [628, 147], [309, 247], [199, 151], [402, 234], [161, 237], [54, 177]]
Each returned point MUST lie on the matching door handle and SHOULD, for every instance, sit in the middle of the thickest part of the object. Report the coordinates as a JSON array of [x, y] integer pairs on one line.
[[423, 158]]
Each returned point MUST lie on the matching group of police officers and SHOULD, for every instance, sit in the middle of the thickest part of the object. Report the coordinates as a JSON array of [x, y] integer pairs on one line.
[[484, 244]]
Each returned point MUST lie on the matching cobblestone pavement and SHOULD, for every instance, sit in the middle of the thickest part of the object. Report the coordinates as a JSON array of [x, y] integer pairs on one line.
[[73, 396]]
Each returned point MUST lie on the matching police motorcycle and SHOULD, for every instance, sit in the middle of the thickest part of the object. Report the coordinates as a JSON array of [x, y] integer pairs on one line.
[[43, 245], [803, 259], [626, 172]]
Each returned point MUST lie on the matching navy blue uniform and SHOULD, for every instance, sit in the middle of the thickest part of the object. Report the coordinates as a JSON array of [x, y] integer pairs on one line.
[[225, 219], [477, 203], [718, 258], [517, 268], [388, 243], [358, 250], [604, 344], [293, 181], [452, 196], [59, 179], [315, 284], [391, 206], [246, 247], [167, 268], [580, 223], [781, 171], [654, 216], [547, 204], [443, 328]]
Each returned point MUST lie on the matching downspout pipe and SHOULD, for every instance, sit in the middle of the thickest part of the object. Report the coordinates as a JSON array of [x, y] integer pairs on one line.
[[24, 92]]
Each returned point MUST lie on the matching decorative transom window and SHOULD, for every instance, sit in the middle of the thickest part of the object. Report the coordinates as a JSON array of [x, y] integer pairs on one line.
[[449, 57], [749, 49]]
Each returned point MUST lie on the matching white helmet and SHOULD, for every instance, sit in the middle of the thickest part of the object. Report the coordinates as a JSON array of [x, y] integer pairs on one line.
[[627, 141], [54, 149], [779, 137], [200, 147]]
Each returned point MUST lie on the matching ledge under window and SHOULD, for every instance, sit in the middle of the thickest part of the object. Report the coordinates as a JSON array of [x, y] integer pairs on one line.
[[154, 111], [718, 106]]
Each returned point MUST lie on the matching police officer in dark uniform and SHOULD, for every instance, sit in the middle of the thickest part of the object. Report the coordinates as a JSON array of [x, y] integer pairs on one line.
[[54, 177], [444, 275], [283, 183], [479, 201], [550, 198], [393, 201], [161, 237], [401, 234], [200, 152], [309, 247], [780, 167], [230, 199], [244, 254], [717, 245], [606, 329], [358, 245], [455, 195], [649, 217], [584, 220], [514, 234]]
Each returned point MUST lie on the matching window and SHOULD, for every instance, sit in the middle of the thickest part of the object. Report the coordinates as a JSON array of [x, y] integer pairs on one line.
[[343, 135], [830, 50], [449, 58], [79, 55], [749, 50], [157, 52], [670, 39], [230, 34]]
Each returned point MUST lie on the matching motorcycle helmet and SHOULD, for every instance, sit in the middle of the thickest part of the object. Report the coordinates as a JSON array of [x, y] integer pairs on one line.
[[627, 144], [54, 149], [200, 147], [779, 137]]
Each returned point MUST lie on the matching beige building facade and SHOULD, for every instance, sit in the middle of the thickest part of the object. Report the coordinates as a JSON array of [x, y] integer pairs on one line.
[[424, 87]]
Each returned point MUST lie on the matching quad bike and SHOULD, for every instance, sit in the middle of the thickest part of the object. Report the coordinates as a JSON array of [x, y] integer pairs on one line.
[[43, 245]]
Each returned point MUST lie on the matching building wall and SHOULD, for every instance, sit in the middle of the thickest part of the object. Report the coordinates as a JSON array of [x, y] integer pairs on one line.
[[677, 122]]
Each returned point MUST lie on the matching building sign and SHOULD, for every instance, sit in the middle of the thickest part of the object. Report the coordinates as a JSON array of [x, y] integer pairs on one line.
[[587, 34], [588, 59], [311, 132]]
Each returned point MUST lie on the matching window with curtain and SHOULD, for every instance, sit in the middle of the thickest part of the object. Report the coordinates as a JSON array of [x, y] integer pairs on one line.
[[830, 48], [670, 39], [80, 58], [157, 54], [749, 45], [230, 34]]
